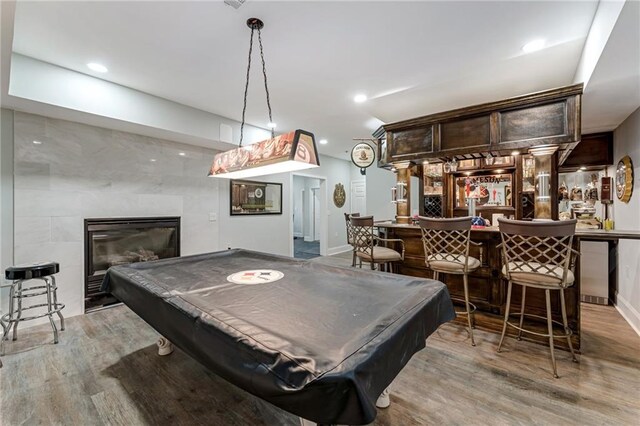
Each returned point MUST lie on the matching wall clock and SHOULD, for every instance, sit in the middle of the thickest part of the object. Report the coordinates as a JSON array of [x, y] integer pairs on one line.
[[339, 195], [624, 179]]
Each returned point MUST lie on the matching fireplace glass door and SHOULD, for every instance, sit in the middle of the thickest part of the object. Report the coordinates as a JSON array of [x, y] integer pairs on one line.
[[112, 242]]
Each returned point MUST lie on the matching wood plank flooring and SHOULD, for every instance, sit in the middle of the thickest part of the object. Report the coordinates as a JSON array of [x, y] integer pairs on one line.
[[106, 371]]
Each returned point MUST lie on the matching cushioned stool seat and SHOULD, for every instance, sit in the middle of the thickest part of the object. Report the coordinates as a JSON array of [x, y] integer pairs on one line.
[[381, 254], [536, 273], [445, 262]]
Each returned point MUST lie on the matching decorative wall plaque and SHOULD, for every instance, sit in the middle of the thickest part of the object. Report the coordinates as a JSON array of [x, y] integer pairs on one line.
[[339, 195], [624, 179]]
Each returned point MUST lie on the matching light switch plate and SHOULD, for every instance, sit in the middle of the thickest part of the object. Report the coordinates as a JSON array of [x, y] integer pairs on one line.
[[213, 217]]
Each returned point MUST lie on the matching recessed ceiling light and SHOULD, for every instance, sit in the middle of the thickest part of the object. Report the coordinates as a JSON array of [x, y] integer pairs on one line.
[[515, 153], [37, 142], [153, 160], [271, 125], [93, 66], [532, 46], [583, 168], [323, 141], [181, 154], [360, 98]]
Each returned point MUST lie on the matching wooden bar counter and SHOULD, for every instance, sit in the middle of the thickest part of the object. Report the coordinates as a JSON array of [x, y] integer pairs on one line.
[[487, 290]]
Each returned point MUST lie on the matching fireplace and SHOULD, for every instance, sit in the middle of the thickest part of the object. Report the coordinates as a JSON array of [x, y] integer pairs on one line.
[[111, 242]]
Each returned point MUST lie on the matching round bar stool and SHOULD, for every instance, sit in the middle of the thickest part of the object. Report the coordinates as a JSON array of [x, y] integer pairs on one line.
[[538, 255], [22, 288], [446, 251]]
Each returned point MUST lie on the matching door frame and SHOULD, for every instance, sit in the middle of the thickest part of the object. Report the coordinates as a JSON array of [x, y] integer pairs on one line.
[[351, 194], [315, 230], [324, 209]]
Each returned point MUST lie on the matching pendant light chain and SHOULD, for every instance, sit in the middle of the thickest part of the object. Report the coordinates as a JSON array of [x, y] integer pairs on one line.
[[266, 88], [246, 86]]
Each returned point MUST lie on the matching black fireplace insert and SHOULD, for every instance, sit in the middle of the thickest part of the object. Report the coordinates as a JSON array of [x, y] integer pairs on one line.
[[118, 241]]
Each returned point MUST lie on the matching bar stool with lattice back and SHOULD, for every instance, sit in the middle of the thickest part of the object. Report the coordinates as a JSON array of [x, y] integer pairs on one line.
[[367, 246], [446, 251], [347, 219], [538, 255]]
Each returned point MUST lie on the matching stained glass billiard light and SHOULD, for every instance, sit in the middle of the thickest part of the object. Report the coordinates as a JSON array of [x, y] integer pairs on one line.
[[288, 152]]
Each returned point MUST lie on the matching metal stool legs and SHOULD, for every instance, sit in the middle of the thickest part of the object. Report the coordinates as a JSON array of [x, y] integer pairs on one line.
[[469, 307], [17, 292], [565, 323], [522, 304], [506, 316], [466, 303], [547, 297], [549, 320], [49, 308], [15, 324], [55, 302]]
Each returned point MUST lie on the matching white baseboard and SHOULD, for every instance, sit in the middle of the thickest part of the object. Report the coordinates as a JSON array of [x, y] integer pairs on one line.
[[308, 239], [340, 249], [297, 234], [628, 312]]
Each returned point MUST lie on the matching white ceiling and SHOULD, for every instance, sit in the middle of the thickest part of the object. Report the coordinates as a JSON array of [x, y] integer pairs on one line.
[[410, 58]]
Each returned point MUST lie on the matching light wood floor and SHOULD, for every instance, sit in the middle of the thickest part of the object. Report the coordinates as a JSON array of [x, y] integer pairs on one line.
[[105, 371]]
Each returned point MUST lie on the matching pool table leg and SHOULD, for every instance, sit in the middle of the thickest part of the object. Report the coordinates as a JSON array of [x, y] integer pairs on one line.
[[304, 422], [165, 347], [383, 400]]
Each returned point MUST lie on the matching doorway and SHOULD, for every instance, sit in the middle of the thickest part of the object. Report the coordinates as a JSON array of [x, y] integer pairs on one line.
[[359, 197], [307, 224]]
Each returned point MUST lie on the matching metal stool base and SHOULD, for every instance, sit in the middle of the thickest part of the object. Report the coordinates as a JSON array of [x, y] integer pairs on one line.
[[17, 293], [550, 335]]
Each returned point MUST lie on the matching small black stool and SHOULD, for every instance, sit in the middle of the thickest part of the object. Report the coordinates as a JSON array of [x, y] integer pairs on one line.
[[20, 289]]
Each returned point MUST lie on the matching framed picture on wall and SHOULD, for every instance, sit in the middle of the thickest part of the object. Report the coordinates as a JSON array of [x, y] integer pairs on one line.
[[254, 198]]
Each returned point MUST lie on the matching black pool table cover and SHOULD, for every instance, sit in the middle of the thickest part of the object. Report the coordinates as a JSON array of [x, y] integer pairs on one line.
[[322, 342]]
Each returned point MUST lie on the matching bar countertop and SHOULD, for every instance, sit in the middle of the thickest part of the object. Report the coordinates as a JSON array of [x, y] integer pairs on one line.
[[591, 234]]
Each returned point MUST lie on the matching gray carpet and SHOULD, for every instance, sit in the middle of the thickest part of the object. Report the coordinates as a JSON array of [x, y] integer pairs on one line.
[[305, 249]]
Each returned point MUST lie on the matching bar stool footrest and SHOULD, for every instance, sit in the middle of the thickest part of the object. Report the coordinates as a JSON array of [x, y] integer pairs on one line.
[[561, 335], [473, 307], [57, 308]]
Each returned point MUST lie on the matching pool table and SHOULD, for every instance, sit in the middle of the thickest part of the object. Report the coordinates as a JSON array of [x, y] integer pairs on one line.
[[318, 341]]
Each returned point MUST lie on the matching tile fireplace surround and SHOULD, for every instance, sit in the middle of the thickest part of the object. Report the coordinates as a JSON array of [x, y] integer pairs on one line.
[[75, 171]]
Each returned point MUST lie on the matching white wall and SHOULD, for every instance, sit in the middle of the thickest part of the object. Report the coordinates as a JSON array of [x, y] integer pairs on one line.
[[80, 171], [6, 198], [603, 22], [307, 206], [99, 102], [335, 171], [298, 206], [266, 233], [627, 217], [274, 233]]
